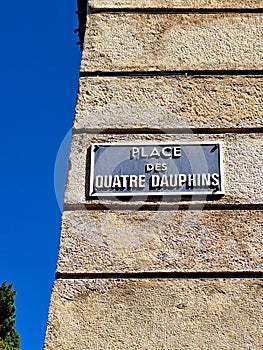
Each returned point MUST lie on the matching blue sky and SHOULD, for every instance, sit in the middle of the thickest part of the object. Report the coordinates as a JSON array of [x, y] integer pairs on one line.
[[39, 65]]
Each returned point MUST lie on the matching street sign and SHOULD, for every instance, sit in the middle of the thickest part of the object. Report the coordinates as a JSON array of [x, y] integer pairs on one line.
[[156, 169]]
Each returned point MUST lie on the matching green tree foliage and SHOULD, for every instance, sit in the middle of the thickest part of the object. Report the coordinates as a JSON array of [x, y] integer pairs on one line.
[[9, 339], [3, 346]]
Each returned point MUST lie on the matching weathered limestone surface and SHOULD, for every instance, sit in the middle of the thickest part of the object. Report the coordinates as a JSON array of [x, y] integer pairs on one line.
[[184, 241], [144, 42], [160, 313], [155, 314], [175, 4], [242, 167], [169, 102]]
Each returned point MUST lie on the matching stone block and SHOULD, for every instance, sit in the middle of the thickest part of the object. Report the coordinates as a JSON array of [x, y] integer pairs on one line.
[[242, 158], [150, 241], [146, 314], [172, 42], [175, 4], [169, 103]]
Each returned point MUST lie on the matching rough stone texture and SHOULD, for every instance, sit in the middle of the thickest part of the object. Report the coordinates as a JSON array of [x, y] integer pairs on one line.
[[242, 156], [184, 241], [167, 314], [169, 102], [144, 42], [175, 4]]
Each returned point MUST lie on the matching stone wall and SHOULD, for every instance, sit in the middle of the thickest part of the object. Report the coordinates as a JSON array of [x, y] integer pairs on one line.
[[165, 273]]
